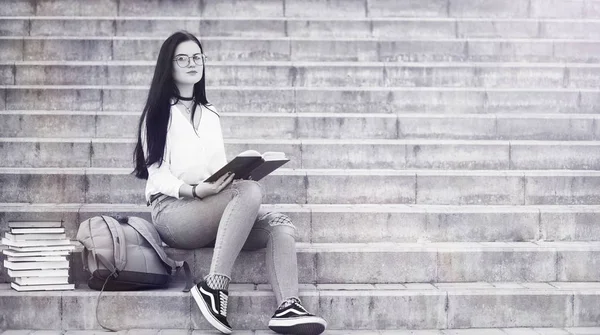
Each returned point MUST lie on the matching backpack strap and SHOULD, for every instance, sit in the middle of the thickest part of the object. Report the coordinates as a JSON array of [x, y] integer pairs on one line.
[[119, 245], [84, 258], [142, 229], [92, 247]]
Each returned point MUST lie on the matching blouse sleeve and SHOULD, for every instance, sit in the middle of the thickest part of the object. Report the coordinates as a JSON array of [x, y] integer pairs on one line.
[[160, 174]]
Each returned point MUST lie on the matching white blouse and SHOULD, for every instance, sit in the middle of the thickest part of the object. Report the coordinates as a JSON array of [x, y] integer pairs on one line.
[[190, 156]]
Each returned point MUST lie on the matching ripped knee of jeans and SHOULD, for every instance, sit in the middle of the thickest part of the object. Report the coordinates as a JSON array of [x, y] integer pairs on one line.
[[278, 219], [281, 222]]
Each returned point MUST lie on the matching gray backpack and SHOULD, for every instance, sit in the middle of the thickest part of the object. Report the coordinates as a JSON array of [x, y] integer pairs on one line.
[[124, 254]]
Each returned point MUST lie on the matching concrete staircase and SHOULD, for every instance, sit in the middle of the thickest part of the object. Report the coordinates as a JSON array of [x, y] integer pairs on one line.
[[445, 165]]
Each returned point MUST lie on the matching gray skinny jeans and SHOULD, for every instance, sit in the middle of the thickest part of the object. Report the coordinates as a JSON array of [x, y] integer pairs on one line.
[[233, 221]]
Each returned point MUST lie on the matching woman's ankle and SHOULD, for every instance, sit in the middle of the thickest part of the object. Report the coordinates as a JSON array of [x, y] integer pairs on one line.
[[217, 281]]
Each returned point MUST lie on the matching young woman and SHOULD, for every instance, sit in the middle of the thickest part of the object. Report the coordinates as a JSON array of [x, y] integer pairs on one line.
[[179, 145]]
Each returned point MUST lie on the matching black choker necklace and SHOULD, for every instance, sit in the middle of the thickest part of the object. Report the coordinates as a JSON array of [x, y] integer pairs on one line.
[[184, 99]]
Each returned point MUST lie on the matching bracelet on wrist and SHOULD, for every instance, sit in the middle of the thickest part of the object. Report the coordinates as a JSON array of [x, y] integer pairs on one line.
[[194, 192]]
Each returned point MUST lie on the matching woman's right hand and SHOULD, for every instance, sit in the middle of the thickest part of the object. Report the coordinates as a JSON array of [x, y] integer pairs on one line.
[[207, 189]]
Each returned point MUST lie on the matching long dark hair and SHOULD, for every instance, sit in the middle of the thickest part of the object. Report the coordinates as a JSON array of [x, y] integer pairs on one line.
[[156, 113]]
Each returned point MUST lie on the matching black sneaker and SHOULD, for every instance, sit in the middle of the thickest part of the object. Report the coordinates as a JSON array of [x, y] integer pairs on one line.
[[213, 305], [292, 318]]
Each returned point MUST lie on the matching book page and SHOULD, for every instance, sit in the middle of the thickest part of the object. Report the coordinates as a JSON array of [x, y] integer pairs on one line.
[[274, 156], [249, 153]]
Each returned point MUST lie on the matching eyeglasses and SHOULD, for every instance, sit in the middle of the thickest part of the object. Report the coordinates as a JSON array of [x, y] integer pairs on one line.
[[184, 60]]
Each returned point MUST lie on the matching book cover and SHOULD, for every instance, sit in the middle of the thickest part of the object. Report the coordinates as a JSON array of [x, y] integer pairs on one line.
[[34, 224], [37, 230], [28, 237], [41, 280], [35, 243], [251, 164], [37, 259], [241, 166], [38, 273], [17, 254], [265, 169], [35, 265], [48, 248], [61, 287]]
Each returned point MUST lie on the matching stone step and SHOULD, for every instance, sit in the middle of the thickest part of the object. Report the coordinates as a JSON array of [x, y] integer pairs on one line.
[[421, 306], [318, 126], [323, 153], [254, 99], [239, 125], [470, 331], [423, 27], [319, 8], [389, 223], [95, 48], [325, 186], [315, 74], [418, 262], [393, 263]]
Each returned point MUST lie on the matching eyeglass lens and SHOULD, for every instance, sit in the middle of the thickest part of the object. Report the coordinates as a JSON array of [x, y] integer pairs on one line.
[[184, 60]]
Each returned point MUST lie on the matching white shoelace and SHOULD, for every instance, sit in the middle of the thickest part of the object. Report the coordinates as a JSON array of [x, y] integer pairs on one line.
[[223, 298], [289, 302]]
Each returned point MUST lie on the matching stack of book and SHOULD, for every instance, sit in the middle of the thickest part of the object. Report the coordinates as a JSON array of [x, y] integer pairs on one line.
[[36, 256]]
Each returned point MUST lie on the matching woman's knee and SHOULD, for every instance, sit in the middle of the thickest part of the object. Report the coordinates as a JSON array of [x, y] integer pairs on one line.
[[249, 189], [280, 224], [271, 226]]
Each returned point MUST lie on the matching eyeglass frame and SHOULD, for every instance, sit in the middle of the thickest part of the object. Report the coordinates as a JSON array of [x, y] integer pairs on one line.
[[202, 56]]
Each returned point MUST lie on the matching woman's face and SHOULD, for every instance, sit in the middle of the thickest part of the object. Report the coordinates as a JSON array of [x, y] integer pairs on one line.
[[188, 63]]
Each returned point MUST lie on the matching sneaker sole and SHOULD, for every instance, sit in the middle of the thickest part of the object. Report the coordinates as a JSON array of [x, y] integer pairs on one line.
[[207, 314], [304, 326]]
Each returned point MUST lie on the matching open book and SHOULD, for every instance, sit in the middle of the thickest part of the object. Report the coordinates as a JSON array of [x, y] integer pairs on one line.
[[250, 164]]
